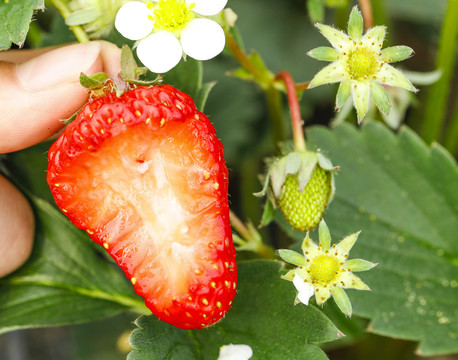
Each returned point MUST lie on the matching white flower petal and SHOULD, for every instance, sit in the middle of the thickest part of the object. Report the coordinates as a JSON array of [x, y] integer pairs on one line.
[[306, 290], [132, 20], [235, 352], [160, 52], [207, 7], [203, 39]]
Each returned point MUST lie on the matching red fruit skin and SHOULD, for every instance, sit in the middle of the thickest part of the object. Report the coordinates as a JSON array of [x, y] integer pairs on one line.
[[95, 190]]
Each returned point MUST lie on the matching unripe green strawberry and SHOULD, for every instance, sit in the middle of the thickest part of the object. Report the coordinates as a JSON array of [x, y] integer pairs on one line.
[[301, 184], [304, 209]]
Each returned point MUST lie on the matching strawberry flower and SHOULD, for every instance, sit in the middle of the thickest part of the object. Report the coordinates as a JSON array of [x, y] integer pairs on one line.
[[235, 352], [168, 29], [324, 270], [360, 65]]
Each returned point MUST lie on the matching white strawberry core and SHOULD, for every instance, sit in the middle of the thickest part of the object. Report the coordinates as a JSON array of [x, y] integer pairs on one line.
[[152, 206]]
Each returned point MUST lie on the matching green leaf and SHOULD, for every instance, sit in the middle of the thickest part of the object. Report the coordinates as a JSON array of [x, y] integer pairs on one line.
[[186, 77], [15, 18], [64, 281], [402, 194], [262, 316]]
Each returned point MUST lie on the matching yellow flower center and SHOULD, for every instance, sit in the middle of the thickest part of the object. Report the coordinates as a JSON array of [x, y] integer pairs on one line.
[[362, 63], [324, 269], [171, 15]]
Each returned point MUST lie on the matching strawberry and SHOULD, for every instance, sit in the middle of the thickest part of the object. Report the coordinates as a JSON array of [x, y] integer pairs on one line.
[[304, 209], [143, 174], [301, 184]]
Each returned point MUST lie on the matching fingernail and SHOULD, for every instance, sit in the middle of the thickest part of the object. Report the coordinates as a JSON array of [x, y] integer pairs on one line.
[[57, 67]]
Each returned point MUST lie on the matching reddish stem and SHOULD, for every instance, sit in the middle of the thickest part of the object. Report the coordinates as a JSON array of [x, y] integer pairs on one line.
[[366, 9], [296, 120]]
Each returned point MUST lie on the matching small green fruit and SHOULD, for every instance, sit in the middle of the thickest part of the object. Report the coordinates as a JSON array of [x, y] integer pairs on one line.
[[304, 209]]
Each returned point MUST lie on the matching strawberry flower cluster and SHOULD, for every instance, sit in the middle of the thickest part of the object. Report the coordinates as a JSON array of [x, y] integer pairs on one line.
[[168, 29], [325, 270], [360, 65]]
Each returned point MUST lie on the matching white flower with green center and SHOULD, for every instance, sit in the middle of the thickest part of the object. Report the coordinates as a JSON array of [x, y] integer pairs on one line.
[[360, 65], [167, 29], [325, 270]]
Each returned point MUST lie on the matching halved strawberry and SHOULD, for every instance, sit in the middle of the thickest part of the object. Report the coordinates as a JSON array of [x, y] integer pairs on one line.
[[144, 175]]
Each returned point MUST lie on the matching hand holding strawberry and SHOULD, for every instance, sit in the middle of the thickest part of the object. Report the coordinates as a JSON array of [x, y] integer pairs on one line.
[[39, 87]]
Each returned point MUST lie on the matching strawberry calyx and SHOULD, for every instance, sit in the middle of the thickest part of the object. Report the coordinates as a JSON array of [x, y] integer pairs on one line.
[[100, 84]]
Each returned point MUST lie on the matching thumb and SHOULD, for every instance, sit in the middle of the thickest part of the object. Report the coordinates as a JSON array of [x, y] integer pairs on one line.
[[37, 94], [17, 224]]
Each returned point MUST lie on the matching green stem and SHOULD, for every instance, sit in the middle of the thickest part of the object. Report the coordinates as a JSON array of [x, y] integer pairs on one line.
[[436, 104], [238, 225], [296, 120], [261, 77], [252, 239], [79, 32], [451, 137], [275, 107]]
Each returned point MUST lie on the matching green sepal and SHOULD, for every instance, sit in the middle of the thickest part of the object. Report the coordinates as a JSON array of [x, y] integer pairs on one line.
[[130, 72], [324, 53], [355, 24], [289, 275], [81, 17], [396, 53], [202, 95], [306, 167], [292, 257], [324, 235], [71, 118], [358, 265], [347, 243], [268, 214], [381, 98], [343, 94], [95, 81], [342, 300]]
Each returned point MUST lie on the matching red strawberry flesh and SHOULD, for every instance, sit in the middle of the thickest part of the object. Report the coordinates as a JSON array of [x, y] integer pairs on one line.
[[144, 175]]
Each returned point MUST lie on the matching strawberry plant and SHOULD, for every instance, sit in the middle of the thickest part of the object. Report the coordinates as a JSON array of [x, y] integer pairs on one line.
[[166, 192]]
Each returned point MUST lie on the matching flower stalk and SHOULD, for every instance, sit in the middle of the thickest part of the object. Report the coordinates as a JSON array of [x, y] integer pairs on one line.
[[250, 239], [64, 10], [296, 120], [366, 10]]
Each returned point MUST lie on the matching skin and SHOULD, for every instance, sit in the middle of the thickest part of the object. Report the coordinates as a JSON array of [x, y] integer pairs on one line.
[[39, 89]]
